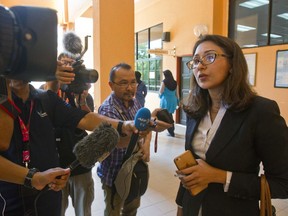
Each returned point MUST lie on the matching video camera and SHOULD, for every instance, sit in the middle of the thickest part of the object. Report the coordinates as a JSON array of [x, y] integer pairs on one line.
[[28, 43], [73, 46]]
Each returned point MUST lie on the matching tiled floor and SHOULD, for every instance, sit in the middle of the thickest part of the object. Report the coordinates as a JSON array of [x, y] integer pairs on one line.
[[159, 197]]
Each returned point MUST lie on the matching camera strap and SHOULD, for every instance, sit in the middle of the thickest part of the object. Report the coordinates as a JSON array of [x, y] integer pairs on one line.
[[25, 137]]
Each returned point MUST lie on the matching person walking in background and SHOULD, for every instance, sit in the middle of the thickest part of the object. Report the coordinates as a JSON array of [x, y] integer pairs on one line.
[[141, 89], [169, 96], [231, 131], [120, 104]]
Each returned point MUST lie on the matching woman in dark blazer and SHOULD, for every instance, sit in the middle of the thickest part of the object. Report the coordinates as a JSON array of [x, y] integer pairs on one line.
[[231, 131]]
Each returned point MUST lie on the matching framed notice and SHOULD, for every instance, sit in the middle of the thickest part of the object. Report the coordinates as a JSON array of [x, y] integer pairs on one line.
[[281, 72], [251, 62]]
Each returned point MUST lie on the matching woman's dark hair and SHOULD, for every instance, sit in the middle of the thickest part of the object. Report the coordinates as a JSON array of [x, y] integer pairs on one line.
[[169, 81], [138, 77], [237, 93]]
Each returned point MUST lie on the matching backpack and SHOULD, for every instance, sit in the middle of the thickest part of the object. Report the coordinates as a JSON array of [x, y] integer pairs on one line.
[[132, 179]]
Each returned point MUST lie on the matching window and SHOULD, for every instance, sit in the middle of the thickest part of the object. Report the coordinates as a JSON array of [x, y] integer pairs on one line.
[[279, 22], [254, 23], [149, 65]]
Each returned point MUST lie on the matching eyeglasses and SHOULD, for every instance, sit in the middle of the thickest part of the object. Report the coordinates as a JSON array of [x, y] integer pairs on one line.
[[133, 84], [207, 59]]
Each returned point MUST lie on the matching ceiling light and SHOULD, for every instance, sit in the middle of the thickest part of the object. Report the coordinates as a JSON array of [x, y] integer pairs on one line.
[[250, 45], [254, 3], [283, 15], [243, 28], [272, 35]]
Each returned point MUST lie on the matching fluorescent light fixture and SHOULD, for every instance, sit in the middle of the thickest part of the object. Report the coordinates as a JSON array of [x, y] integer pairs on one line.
[[284, 16], [272, 35], [254, 3], [250, 45], [243, 28]]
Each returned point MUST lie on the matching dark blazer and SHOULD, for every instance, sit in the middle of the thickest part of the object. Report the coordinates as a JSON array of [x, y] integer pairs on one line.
[[242, 141]]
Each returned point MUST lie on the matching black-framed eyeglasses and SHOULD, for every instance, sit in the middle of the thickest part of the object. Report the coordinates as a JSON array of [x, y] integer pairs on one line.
[[133, 84], [207, 59]]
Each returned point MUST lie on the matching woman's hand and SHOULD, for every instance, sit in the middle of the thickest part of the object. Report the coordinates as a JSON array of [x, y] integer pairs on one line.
[[179, 211], [201, 174]]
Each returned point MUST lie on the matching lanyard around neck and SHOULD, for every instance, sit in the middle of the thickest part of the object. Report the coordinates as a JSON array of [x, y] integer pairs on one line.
[[25, 137]]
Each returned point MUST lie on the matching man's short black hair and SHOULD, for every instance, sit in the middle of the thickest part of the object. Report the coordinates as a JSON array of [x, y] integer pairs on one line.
[[117, 67]]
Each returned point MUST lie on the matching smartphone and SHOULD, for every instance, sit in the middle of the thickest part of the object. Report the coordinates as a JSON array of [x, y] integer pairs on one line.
[[186, 160]]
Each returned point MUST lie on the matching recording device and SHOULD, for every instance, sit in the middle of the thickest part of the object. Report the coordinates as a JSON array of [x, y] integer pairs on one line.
[[28, 43], [164, 115], [141, 121], [186, 160], [73, 46], [95, 147]]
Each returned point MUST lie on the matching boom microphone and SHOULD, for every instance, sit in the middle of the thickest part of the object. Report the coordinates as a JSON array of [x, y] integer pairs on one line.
[[141, 121], [94, 146], [72, 43]]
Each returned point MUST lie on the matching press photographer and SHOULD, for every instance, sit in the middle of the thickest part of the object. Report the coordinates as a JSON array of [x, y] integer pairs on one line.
[[83, 76]]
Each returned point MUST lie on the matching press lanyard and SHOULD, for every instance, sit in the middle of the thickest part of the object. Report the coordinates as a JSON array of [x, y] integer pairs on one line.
[[25, 137]]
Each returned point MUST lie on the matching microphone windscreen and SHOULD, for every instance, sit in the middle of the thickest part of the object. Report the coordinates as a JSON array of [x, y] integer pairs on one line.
[[142, 119], [72, 43], [100, 142]]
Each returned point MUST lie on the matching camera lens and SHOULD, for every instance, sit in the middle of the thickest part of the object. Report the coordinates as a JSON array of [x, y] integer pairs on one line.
[[87, 75]]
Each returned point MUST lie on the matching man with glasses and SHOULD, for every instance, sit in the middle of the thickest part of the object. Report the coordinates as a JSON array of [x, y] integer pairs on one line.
[[120, 104]]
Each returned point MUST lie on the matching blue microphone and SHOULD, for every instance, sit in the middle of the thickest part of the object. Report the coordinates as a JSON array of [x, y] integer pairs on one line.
[[141, 121]]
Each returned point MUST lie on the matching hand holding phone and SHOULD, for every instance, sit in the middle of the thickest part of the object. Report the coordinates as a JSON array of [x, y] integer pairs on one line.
[[186, 160]]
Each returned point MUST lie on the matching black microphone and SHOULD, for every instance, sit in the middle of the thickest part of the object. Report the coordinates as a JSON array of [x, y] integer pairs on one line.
[[141, 121], [95, 146], [72, 43]]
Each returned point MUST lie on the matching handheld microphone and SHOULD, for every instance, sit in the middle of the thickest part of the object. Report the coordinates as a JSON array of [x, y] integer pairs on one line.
[[141, 121], [95, 146]]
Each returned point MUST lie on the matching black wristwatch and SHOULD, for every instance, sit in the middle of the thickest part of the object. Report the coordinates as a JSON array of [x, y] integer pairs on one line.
[[119, 129], [29, 176]]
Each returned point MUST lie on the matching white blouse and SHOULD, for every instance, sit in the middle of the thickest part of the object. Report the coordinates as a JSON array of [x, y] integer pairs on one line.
[[206, 132]]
